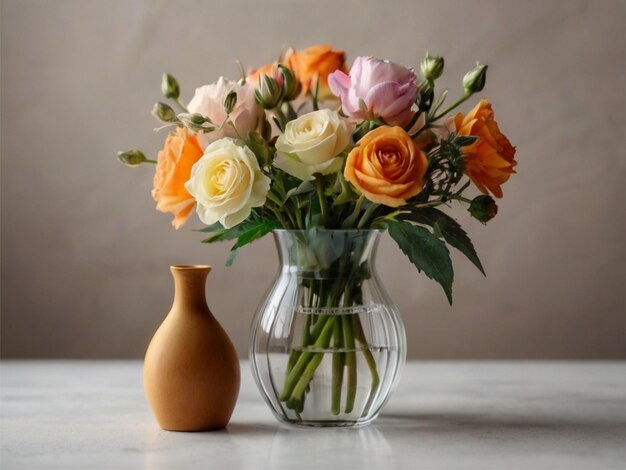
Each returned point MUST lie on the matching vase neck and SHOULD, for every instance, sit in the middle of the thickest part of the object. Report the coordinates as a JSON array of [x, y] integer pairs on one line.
[[189, 284], [321, 250]]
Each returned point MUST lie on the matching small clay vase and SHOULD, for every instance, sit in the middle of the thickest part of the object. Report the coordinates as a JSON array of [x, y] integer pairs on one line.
[[191, 371]]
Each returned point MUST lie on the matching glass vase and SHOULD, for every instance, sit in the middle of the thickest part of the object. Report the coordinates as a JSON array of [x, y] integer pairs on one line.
[[327, 344]]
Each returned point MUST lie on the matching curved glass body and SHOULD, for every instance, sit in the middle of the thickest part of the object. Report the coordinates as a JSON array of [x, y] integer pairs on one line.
[[327, 345]]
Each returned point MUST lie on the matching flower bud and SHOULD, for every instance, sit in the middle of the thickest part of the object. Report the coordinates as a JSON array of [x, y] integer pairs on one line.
[[291, 86], [431, 67], [196, 122], [474, 80], [164, 113], [132, 157], [483, 208], [230, 102], [169, 87], [268, 94]]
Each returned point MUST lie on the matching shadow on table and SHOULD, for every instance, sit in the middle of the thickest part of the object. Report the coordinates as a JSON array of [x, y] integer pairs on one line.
[[454, 422], [251, 428]]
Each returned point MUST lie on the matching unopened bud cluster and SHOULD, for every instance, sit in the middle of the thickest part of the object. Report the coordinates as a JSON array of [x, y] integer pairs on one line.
[[164, 113], [483, 208], [271, 90], [196, 122], [431, 67], [474, 80], [169, 87], [132, 157]]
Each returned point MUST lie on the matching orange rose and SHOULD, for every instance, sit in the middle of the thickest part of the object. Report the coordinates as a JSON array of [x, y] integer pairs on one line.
[[173, 169], [490, 160], [387, 166], [313, 63]]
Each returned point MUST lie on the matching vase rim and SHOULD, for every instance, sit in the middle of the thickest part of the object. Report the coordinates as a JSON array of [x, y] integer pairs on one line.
[[348, 230], [190, 267]]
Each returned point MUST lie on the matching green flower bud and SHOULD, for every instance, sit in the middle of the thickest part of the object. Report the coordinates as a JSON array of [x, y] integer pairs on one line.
[[132, 157], [196, 122], [431, 67], [169, 87], [164, 113], [230, 102], [291, 86], [474, 80], [483, 208], [268, 94]]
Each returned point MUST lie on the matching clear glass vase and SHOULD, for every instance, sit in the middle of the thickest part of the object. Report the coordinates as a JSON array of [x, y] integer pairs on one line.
[[327, 344]]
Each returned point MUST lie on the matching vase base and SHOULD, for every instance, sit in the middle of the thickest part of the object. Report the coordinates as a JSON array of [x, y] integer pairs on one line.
[[326, 423]]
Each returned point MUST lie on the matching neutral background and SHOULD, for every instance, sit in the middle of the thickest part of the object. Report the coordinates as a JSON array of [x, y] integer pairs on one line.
[[85, 256]]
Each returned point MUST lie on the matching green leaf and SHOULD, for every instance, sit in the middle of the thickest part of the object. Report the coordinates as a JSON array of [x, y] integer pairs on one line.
[[231, 257], [226, 234], [427, 252], [303, 188], [221, 234], [216, 227], [254, 233], [275, 199], [465, 140], [448, 228]]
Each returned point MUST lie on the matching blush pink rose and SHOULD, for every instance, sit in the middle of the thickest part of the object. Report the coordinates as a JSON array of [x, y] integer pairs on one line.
[[376, 88], [209, 101]]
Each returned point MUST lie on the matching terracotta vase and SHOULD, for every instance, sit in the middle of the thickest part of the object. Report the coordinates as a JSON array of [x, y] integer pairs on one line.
[[191, 370]]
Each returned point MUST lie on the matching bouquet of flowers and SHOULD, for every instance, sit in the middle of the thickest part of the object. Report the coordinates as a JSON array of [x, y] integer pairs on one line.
[[306, 144]]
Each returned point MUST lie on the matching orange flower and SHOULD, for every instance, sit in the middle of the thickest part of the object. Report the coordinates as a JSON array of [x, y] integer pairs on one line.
[[490, 160], [387, 166], [269, 69], [173, 169], [313, 63]]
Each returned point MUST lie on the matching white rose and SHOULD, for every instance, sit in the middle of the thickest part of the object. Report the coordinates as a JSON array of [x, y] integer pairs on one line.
[[311, 144], [208, 100], [227, 183]]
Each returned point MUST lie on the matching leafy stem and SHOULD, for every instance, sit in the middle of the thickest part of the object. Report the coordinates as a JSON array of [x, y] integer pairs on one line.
[[458, 102], [319, 188], [181, 105]]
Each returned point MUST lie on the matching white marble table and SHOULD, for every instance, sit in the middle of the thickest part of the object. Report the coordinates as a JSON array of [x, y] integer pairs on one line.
[[474, 415]]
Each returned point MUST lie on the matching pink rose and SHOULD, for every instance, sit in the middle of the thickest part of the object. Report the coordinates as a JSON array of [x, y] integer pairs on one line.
[[376, 88], [208, 100]]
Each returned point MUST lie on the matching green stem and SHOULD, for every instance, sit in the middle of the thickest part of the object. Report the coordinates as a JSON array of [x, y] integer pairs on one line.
[[348, 340], [181, 105], [460, 198], [349, 221], [298, 386], [326, 329], [298, 213], [367, 214], [319, 188], [291, 217], [369, 358], [280, 116], [462, 99], [147, 160], [279, 216], [337, 377]]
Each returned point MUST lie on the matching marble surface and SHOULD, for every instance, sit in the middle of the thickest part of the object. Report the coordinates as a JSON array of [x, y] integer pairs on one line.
[[466, 415]]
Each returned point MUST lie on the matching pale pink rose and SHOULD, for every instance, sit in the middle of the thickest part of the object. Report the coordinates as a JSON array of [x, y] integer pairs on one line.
[[209, 101], [376, 88]]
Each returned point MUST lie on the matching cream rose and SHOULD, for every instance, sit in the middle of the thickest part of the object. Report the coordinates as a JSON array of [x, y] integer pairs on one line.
[[208, 100], [311, 144], [227, 183]]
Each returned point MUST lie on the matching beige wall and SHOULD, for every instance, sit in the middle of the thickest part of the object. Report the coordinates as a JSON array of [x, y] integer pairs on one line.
[[85, 256]]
